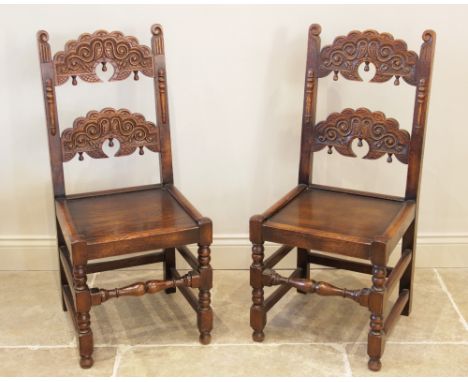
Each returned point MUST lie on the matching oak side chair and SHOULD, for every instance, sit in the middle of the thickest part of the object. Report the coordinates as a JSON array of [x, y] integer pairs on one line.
[[362, 225], [97, 225]]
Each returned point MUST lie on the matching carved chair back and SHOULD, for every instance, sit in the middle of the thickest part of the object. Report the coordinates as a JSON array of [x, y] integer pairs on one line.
[[80, 60], [391, 58]]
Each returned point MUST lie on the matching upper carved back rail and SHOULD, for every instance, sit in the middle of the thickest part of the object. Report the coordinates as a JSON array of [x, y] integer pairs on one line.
[[391, 58], [80, 59]]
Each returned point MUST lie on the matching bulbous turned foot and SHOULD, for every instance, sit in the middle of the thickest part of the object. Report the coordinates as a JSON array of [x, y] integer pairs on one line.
[[374, 364], [258, 336], [205, 338], [86, 362]]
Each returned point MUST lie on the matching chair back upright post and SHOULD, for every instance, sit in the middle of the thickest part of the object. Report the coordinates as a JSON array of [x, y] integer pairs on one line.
[[418, 133], [310, 103], [162, 107], [50, 103]]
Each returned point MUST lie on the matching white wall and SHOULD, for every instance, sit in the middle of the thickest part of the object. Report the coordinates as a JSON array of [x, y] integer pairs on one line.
[[235, 76]]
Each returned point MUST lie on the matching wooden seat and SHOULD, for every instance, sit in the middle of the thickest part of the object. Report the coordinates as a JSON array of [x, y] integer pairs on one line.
[[154, 219], [323, 221], [111, 224], [338, 221]]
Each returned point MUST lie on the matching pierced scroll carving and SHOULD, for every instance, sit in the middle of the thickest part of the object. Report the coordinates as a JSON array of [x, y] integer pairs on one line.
[[389, 56], [383, 135], [81, 57], [89, 133], [99, 296], [361, 296]]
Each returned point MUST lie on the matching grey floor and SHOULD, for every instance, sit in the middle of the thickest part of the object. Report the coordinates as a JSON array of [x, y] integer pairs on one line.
[[306, 335]]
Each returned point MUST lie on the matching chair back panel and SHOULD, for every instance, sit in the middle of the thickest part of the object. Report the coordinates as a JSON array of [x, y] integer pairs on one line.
[[80, 58], [391, 58]]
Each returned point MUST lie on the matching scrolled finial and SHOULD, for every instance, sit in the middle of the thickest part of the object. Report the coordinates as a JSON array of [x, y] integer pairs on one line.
[[43, 44], [156, 29], [315, 29], [157, 39], [428, 35], [42, 36]]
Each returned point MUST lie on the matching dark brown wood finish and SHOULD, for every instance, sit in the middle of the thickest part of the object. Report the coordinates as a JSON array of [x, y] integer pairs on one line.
[[89, 133], [323, 220], [94, 226], [359, 224], [382, 135]]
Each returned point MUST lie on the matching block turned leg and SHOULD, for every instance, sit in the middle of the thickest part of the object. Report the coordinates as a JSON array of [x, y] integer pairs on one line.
[[205, 313], [376, 337], [257, 311], [83, 306]]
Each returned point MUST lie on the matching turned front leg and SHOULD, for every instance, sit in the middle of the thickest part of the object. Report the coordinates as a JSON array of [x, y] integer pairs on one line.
[[205, 313], [257, 311], [83, 320], [376, 337]]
